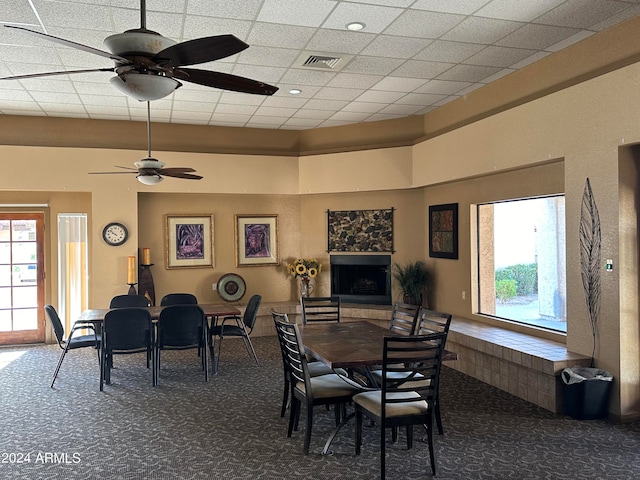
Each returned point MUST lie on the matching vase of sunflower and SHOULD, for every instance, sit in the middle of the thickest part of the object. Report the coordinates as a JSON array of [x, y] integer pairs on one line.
[[305, 269]]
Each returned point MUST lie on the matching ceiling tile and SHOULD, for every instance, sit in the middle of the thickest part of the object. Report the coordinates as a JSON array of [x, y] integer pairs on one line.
[[422, 24], [375, 17], [481, 30], [308, 13]]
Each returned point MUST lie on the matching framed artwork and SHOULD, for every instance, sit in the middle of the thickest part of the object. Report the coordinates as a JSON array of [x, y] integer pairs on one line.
[[256, 240], [189, 241], [360, 231], [443, 231]]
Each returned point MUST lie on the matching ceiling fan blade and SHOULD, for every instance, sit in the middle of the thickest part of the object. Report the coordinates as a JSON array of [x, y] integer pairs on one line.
[[224, 81], [200, 50], [49, 74], [173, 170], [110, 173], [187, 176], [79, 46]]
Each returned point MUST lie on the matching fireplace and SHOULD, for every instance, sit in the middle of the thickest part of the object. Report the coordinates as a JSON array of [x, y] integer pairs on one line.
[[361, 278]]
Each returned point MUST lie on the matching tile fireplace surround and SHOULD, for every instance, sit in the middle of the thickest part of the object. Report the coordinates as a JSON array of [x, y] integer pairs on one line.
[[523, 365]]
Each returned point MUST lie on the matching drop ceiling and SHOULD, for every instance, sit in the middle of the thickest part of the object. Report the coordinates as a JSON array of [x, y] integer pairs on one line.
[[411, 57]]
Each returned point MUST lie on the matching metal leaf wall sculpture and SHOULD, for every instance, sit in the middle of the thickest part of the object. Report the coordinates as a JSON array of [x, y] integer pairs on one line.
[[590, 247]]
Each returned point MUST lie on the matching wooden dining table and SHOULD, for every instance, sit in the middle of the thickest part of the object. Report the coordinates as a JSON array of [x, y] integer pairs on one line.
[[349, 344]]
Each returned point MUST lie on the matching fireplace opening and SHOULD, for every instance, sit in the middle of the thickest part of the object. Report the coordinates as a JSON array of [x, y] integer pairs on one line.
[[361, 278]]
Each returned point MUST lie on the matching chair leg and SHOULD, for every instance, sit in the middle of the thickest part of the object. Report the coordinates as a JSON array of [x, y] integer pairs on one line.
[[219, 351], [212, 355], [432, 454], [307, 432], [438, 417], [55, 374], [205, 364], [358, 431], [295, 406], [285, 396], [249, 347], [409, 437], [103, 364], [382, 450]]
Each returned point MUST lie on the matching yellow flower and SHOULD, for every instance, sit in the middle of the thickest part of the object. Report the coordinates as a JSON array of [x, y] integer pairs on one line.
[[304, 267]]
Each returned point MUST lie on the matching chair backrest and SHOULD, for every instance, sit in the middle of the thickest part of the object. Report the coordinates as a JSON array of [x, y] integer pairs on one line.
[[292, 352], [411, 364], [320, 309], [53, 317], [403, 318], [181, 326], [282, 318], [179, 299], [120, 301], [127, 329], [251, 312], [431, 321]]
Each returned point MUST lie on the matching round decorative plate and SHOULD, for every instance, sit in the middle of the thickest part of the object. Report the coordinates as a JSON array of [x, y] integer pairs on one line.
[[231, 287]]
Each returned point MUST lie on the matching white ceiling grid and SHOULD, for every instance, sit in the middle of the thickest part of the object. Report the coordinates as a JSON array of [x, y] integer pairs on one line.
[[412, 56]]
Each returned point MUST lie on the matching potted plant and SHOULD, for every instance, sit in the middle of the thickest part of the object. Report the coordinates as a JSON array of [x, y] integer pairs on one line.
[[412, 279]]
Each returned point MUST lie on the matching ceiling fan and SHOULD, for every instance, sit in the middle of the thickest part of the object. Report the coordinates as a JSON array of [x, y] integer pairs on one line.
[[149, 66], [151, 171]]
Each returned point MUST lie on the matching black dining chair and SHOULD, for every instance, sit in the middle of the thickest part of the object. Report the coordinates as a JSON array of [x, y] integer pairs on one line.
[[179, 299], [181, 327], [329, 389], [320, 309], [403, 318], [235, 326], [120, 301], [126, 330], [315, 368], [73, 341], [408, 401], [432, 321]]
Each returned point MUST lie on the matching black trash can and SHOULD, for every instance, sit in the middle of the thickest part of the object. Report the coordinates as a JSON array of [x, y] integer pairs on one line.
[[586, 392]]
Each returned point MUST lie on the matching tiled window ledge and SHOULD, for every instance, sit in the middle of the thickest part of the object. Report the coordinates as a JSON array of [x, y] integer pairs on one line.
[[520, 364]]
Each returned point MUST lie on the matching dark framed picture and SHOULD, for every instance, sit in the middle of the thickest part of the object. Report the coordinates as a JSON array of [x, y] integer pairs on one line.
[[189, 241], [256, 240], [443, 231]]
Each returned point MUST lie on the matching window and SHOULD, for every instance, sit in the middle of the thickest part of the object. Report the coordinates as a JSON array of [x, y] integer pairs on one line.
[[521, 261], [73, 274]]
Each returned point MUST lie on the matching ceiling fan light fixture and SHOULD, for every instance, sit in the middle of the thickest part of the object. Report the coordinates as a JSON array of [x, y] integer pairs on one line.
[[149, 179], [136, 42], [144, 87]]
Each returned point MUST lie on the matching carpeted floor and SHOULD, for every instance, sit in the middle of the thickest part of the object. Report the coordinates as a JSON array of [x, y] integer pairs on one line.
[[230, 428]]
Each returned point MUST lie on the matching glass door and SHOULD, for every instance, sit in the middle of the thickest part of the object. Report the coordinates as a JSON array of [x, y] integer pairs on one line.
[[21, 278]]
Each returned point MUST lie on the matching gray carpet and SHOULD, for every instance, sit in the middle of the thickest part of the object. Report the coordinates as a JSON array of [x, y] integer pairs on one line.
[[230, 427]]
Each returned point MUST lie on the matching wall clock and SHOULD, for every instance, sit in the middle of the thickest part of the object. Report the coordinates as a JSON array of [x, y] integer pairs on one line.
[[115, 233]]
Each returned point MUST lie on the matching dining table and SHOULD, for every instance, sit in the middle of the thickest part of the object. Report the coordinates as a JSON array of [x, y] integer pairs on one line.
[[353, 346]]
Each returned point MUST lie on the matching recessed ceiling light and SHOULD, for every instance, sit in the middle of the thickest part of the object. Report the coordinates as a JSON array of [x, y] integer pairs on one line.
[[355, 26], [295, 91]]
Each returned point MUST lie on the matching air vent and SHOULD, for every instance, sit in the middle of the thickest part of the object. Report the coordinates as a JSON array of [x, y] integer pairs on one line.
[[319, 61], [322, 61]]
